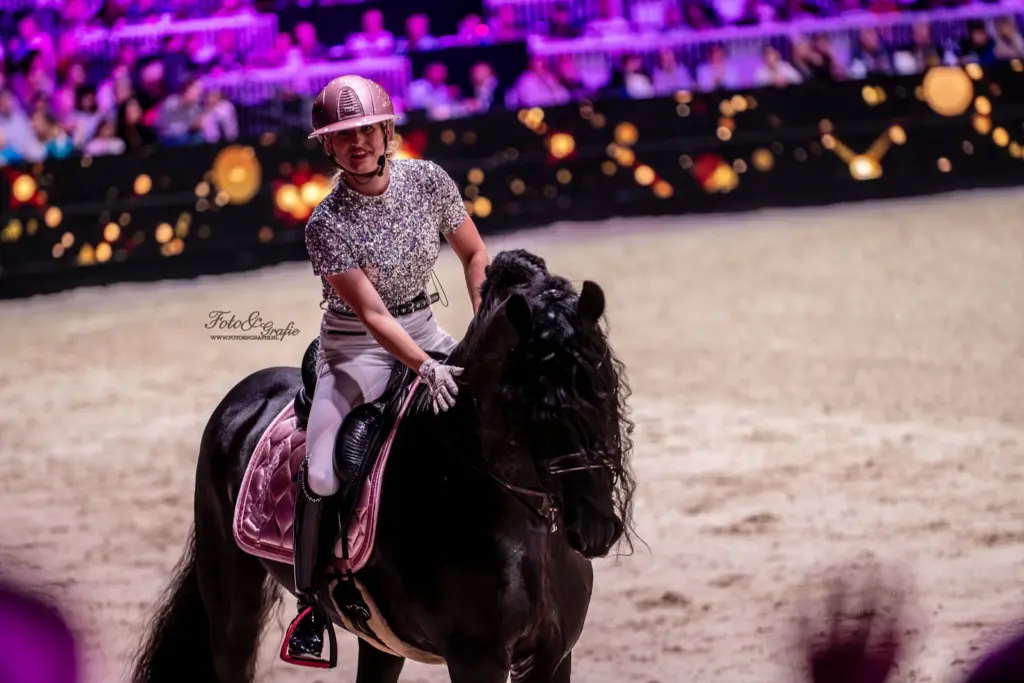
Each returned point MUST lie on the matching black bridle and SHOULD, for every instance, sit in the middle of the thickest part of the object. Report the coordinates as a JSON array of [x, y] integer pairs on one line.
[[548, 511]]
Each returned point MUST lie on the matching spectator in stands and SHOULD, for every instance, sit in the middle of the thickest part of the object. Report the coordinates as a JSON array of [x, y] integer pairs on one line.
[[309, 45], [281, 53], [978, 47], [636, 82], [670, 75], [179, 120], [921, 54], [432, 92], [417, 35], [1008, 42], [85, 119], [484, 83], [503, 26], [756, 12], [106, 141], [775, 71], [67, 94], [32, 80], [152, 89], [568, 73], [218, 120], [228, 56], [31, 39], [473, 31], [19, 144], [177, 65], [230, 8], [609, 20], [814, 59], [717, 73], [870, 57], [55, 140], [560, 23], [374, 40], [146, 11], [537, 87], [695, 16]]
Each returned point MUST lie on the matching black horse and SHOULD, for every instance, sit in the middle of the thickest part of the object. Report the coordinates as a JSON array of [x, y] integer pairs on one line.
[[490, 512]]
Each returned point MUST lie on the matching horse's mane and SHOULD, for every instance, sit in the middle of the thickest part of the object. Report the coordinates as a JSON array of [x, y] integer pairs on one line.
[[561, 392]]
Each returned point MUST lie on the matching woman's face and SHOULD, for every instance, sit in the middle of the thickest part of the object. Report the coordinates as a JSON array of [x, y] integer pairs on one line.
[[358, 149]]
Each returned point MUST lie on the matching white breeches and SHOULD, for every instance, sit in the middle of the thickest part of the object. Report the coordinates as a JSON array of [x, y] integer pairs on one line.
[[352, 369]]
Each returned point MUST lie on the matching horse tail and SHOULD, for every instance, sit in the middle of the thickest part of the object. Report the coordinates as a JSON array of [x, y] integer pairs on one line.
[[177, 645], [207, 625]]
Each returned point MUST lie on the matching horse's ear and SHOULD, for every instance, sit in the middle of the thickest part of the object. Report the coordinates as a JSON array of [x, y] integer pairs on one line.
[[518, 314], [591, 303]]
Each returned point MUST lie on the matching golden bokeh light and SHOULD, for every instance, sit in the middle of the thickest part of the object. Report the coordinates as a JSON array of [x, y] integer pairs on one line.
[[103, 252], [683, 109], [974, 71], [561, 145], [111, 232], [1016, 151], [897, 135], [221, 199], [86, 255], [763, 159], [288, 198], [864, 167], [724, 134], [947, 90], [663, 190], [173, 248], [644, 175], [724, 179], [625, 156], [518, 186], [1001, 137], [53, 217], [944, 165], [482, 207], [982, 124], [164, 233], [143, 184], [68, 240], [564, 176], [12, 231], [24, 187], [982, 105], [236, 172], [683, 96], [266, 234], [58, 250], [312, 192], [124, 219], [1016, 65], [873, 95], [626, 133], [739, 165], [739, 103], [475, 176], [726, 108], [608, 168]]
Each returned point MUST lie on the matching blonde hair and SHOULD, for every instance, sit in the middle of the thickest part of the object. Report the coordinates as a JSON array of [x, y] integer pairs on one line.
[[389, 152]]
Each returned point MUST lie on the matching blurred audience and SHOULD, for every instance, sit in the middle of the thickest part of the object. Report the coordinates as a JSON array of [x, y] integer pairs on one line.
[[59, 97]]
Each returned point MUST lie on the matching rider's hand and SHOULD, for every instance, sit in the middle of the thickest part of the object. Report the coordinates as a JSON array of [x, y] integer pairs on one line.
[[440, 381]]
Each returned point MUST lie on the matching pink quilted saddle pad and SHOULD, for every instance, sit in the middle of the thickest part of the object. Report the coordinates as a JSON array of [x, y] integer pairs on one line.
[[265, 510]]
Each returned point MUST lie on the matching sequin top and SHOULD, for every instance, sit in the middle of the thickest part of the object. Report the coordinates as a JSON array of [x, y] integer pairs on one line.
[[393, 237]]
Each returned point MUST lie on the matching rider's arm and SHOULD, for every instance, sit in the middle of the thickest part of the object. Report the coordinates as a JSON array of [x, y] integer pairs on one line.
[[466, 243], [358, 293]]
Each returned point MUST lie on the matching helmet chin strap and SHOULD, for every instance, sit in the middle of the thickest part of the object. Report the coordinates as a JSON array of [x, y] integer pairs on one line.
[[363, 178]]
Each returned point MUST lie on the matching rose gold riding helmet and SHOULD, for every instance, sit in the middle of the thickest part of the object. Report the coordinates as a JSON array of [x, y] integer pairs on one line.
[[352, 102]]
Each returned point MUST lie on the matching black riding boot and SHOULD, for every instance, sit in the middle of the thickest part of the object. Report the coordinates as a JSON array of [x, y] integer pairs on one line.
[[313, 537]]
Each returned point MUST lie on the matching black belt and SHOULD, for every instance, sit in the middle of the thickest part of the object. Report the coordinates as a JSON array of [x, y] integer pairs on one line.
[[418, 304]]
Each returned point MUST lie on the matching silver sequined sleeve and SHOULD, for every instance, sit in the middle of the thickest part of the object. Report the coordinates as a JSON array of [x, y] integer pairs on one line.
[[329, 253], [449, 201]]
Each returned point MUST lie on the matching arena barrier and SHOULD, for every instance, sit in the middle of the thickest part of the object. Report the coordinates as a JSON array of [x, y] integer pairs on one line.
[[185, 211]]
